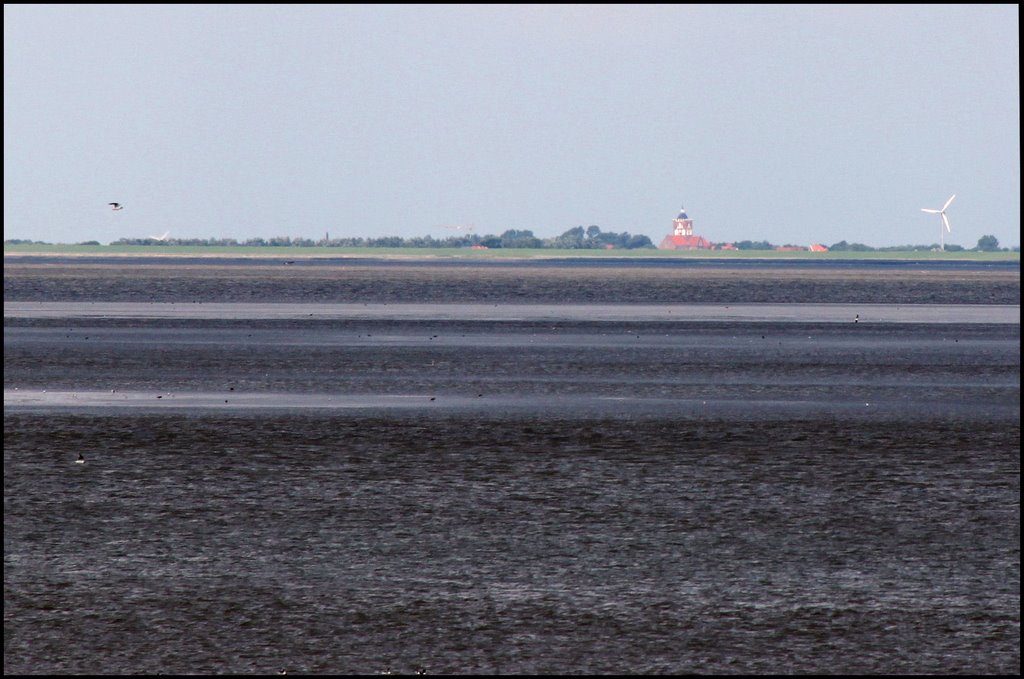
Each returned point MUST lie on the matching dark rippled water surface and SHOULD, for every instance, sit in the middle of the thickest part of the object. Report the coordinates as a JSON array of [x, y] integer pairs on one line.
[[461, 497], [534, 281]]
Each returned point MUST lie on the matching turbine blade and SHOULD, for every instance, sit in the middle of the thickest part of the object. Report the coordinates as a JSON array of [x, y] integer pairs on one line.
[[948, 202], [930, 211], [945, 221]]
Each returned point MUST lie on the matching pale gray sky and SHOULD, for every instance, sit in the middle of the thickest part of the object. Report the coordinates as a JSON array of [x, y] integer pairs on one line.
[[788, 123]]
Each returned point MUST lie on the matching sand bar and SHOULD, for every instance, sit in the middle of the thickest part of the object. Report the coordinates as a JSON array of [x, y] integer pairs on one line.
[[797, 313]]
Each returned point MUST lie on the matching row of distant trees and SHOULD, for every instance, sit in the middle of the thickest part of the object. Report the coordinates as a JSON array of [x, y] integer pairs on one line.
[[591, 237], [985, 244], [576, 238]]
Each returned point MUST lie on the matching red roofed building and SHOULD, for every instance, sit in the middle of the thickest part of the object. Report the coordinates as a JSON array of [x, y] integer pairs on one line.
[[682, 237]]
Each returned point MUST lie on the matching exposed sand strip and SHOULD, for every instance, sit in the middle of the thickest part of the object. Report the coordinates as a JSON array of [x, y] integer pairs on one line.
[[799, 313]]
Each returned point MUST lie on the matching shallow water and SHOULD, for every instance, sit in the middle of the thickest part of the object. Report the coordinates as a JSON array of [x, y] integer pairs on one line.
[[748, 496]]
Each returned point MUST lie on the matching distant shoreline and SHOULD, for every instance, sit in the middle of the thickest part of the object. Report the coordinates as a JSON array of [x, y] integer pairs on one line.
[[288, 253]]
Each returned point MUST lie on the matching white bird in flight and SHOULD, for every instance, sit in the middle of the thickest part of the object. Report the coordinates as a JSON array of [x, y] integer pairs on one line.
[[116, 206]]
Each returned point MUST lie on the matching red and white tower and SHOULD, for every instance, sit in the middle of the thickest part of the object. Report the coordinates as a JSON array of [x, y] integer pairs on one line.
[[683, 225], [682, 237]]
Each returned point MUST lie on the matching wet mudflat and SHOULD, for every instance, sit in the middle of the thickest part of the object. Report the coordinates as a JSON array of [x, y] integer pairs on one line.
[[534, 282], [740, 369], [505, 544], [457, 495]]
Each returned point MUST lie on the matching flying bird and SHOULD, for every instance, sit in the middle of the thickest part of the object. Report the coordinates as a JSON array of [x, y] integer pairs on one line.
[[116, 206]]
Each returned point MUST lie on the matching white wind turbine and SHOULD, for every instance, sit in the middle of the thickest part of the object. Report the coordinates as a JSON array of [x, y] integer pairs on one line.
[[945, 220]]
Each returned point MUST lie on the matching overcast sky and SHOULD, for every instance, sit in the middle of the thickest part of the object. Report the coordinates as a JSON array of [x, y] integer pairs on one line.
[[795, 124]]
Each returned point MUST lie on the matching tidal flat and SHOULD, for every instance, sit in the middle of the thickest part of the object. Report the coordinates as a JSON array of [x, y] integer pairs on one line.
[[503, 495], [581, 281]]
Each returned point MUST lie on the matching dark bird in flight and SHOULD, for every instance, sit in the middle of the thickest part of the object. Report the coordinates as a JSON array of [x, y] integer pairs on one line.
[[116, 206]]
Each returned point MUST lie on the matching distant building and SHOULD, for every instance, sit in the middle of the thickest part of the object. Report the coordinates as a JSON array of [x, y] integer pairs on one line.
[[682, 237], [816, 247]]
